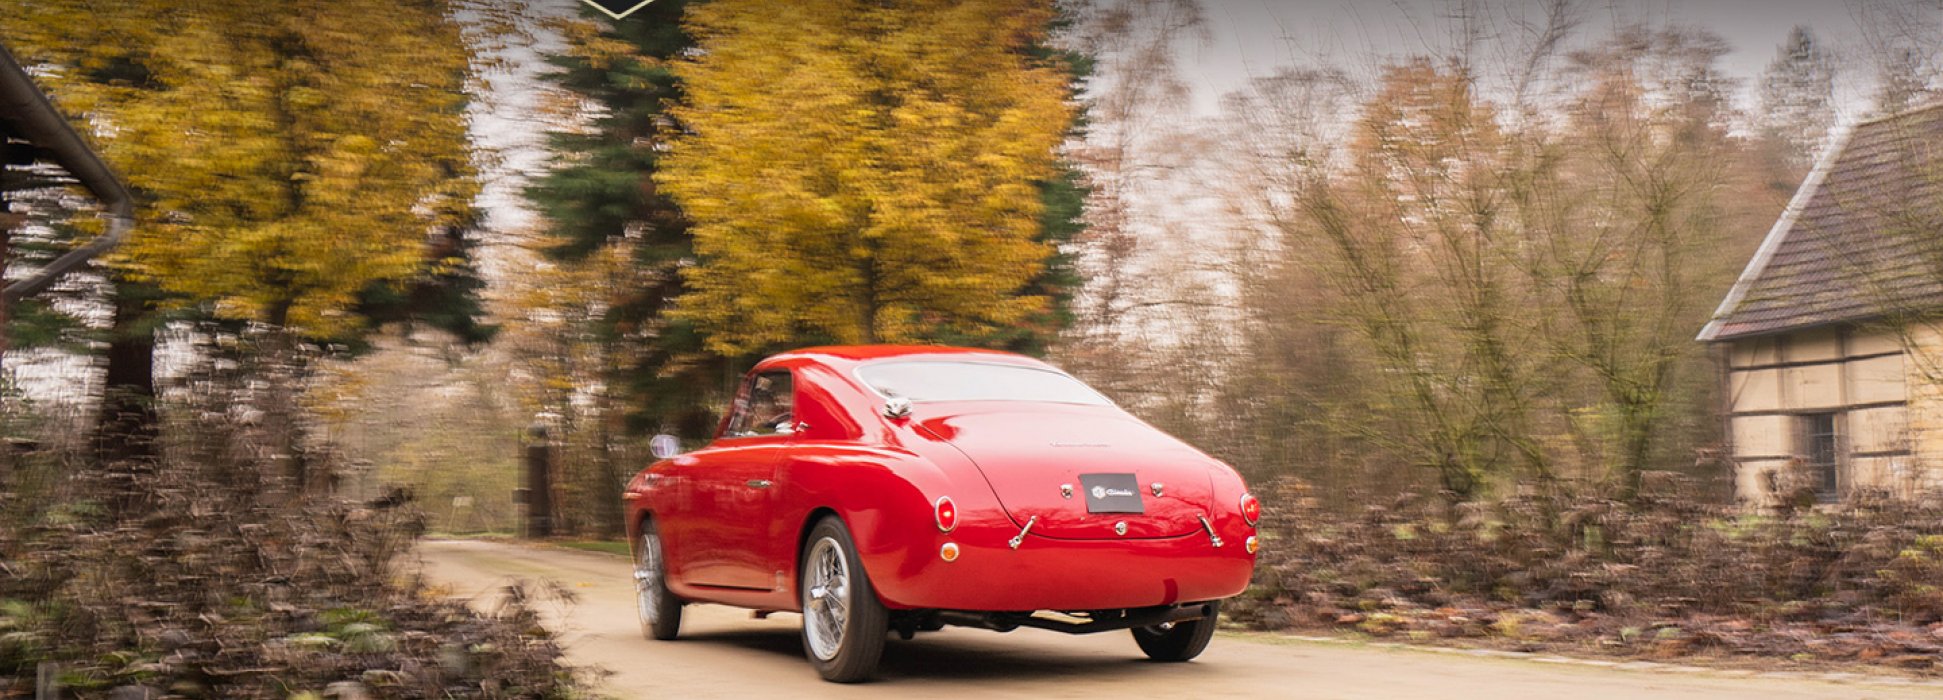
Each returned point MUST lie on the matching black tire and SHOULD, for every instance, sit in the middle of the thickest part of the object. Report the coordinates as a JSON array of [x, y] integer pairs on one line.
[[1181, 641], [659, 610], [852, 612]]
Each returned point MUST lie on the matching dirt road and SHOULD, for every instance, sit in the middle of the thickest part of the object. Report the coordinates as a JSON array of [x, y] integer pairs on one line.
[[723, 653]]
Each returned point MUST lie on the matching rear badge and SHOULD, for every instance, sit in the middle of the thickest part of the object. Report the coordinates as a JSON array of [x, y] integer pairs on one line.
[[1111, 493], [1120, 528]]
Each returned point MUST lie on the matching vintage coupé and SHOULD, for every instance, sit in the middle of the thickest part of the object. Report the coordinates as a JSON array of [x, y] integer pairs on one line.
[[881, 489]]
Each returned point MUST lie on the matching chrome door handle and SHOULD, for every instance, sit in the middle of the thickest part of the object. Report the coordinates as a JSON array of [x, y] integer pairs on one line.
[[758, 483]]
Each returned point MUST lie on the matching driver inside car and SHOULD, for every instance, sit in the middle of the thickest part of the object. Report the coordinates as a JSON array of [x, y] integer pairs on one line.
[[769, 407]]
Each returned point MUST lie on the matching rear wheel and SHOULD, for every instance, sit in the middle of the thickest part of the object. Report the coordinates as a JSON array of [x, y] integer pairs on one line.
[[659, 610], [844, 625], [1178, 641]]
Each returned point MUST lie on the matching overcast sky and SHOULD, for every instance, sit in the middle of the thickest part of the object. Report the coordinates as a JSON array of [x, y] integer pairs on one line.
[[1252, 37]]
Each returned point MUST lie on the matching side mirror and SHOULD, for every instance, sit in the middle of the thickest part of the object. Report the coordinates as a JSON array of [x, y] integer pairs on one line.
[[664, 446]]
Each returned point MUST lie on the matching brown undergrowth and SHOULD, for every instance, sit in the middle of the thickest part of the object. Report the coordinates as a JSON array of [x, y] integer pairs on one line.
[[1663, 578], [191, 580]]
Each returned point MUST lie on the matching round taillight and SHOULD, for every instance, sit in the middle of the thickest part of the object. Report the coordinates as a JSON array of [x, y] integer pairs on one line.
[[947, 514], [1251, 509]]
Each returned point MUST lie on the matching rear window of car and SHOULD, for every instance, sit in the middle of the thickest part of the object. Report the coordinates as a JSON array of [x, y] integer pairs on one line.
[[976, 381]]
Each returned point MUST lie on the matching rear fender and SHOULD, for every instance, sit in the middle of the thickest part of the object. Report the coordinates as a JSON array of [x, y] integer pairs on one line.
[[885, 496]]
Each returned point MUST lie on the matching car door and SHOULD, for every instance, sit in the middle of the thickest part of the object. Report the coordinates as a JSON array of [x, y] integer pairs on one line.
[[731, 494]]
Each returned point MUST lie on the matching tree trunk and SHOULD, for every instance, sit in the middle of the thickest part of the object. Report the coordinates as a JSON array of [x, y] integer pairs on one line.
[[868, 302], [539, 483], [1637, 421], [126, 428], [6, 241], [6, 244], [613, 517], [282, 373]]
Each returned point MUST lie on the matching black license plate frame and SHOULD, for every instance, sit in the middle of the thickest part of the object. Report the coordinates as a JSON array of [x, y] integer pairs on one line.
[[1112, 493]]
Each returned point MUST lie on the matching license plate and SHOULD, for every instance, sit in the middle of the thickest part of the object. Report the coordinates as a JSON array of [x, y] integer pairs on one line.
[[1112, 493]]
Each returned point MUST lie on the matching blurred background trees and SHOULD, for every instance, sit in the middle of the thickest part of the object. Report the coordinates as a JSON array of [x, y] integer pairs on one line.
[[599, 199], [306, 178], [1463, 268], [913, 190], [301, 176], [1490, 274], [899, 150]]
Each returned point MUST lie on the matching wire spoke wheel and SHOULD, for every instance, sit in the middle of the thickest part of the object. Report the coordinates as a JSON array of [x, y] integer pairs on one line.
[[659, 610], [647, 578], [824, 611], [844, 624]]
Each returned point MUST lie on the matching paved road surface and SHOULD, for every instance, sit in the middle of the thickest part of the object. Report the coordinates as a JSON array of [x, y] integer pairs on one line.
[[723, 653]]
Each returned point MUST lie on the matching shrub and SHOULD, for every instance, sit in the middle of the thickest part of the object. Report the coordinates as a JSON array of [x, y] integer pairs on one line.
[[1579, 569], [211, 588]]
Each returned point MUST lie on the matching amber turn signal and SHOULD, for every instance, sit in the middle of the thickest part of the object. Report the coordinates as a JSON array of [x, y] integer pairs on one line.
[[1254, 545], [949, 552]]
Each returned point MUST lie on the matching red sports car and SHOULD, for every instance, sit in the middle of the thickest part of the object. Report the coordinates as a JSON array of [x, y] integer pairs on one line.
[[878, 489]]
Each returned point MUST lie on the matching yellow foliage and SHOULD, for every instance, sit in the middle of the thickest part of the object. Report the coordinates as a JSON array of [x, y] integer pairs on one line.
[[586, 40], [863, 172], [287, 155]]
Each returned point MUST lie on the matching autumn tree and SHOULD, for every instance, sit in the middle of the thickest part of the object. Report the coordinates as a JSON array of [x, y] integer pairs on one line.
[[301, 170], [864, 173], [1494, 282], [599, 198], [1413, 237], [1634, 212], [1286, 394]]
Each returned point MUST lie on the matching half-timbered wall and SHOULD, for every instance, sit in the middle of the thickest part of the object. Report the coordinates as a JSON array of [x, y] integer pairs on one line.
[[1885, 410]]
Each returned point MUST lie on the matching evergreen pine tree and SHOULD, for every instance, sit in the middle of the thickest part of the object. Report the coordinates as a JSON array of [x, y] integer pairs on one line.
[[1797, 97], [600, 191]]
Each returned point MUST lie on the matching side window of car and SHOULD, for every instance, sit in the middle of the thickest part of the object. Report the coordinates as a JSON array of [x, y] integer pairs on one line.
[[765, 407]]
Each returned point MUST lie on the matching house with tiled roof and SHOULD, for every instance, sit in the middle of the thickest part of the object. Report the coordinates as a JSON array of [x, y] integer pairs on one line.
[[1832, 339]]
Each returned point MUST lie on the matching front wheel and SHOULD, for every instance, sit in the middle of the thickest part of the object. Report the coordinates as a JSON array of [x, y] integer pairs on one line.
[[1178, 641], [659, 610], [844, 625]]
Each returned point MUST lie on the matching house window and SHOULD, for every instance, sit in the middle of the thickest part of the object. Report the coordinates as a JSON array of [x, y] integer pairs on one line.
[[1819, 452]]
